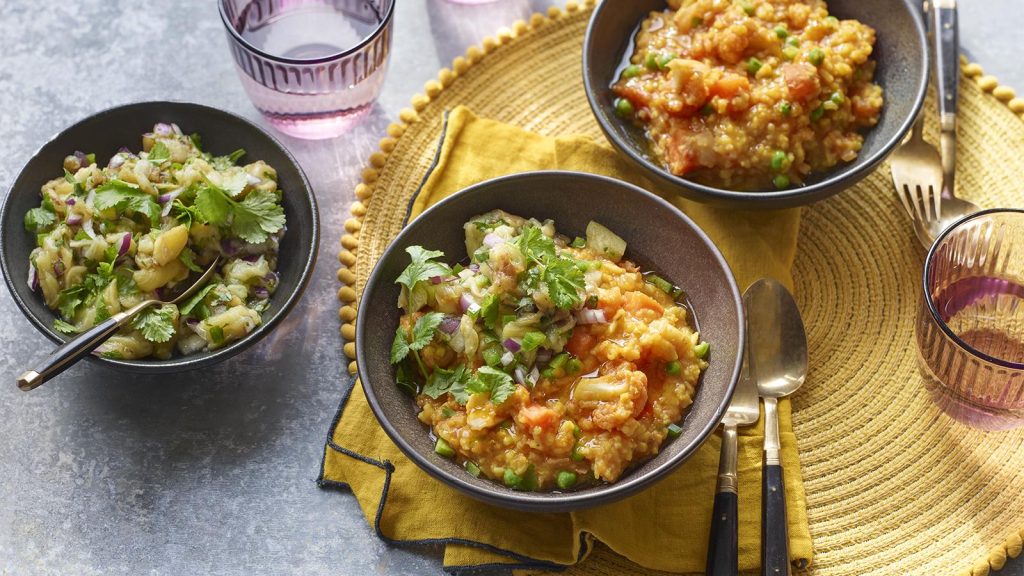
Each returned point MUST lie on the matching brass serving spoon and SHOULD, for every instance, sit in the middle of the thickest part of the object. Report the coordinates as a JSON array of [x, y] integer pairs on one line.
[[78, 347]]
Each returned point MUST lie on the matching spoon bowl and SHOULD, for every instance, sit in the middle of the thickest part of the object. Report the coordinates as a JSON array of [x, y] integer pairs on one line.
[[778, 343]]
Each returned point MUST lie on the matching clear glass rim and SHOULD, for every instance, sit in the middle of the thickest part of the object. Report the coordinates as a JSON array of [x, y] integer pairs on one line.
[[931, 303], [384, 22]]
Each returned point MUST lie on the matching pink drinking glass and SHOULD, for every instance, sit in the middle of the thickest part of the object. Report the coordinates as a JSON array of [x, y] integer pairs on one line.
[[970, 324], [311, 67]]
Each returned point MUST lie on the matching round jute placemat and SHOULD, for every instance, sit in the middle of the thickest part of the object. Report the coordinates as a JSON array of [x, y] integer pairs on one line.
[[893, 485]]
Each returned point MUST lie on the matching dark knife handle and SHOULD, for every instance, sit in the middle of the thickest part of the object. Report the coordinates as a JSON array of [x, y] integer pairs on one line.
[[774, 532], [723, 546]]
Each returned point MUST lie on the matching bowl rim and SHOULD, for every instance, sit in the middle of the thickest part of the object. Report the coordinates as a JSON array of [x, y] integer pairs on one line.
[[795, 196], [176, 363], [529, 501]]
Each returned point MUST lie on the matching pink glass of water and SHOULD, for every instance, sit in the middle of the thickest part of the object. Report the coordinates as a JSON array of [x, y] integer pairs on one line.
[[311, 67], [970, 325]]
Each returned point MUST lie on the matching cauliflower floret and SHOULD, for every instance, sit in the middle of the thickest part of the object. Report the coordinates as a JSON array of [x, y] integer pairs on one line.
[[608, 401]]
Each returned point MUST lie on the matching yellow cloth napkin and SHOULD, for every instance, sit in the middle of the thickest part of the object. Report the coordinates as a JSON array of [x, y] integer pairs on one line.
[[664, 527]]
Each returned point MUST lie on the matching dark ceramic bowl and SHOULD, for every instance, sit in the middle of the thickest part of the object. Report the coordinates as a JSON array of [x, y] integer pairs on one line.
[[658, 237], [103, 134], [900, 51]]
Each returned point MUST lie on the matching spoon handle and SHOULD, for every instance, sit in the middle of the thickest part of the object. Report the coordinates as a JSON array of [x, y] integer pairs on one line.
[[723, 545], [946, 37], [73, 350], [774, 531]]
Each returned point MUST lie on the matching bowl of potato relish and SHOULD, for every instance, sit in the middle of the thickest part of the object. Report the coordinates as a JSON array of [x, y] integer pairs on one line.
[[534, 347], [134, 203]]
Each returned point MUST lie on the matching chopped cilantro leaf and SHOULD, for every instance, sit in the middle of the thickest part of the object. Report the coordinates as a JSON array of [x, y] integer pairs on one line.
[[499, 384], [188, 258], [400, 347], [217, 334], [424, 330], [535, 245], [564, 282], [442, 381], [252, 219], [121, 196], [196, 298], [62, 326], [78, 189], [422, 267], [39, 219], [156, 324], [159, 153], [489, 311]]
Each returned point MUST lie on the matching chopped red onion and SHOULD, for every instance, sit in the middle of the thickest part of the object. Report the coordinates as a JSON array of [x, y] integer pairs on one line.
[[170, 196], [270, 280], [192, 322], [69, 202], [468, 304], [511, 345], [491, 240], [450, 324], [261, 293], [229, 246], [175, 128], [520, 375], [87, 228], [125, 150], [474, 267], [436, 279], [58, 268], [83, 161], [116, 161], [507, 358], [588, 316], [74, 219], [162, 129], [250, 258], [533, 376], [126, 244], [543, 356], [33, 277]]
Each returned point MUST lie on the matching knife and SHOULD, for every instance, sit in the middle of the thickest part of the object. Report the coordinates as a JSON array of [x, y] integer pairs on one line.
[[744, 410]]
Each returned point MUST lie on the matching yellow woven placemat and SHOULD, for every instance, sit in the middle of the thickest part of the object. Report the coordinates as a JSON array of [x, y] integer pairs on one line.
[[893, 485]]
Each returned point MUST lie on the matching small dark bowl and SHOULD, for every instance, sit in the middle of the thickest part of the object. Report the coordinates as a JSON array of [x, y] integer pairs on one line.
[[902, 72], [103, 134], [668, 242]]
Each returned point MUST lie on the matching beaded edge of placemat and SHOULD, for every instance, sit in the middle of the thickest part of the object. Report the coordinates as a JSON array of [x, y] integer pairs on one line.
[[349, 298]]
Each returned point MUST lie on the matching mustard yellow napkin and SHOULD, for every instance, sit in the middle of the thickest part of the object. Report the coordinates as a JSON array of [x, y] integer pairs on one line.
[[664, 527]]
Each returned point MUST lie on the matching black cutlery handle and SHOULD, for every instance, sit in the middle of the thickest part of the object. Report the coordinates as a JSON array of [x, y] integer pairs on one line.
[[723, 546], [774, 532]]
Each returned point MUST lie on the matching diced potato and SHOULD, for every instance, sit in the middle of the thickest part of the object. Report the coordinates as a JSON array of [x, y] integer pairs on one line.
[[47, 279], [149, 279], [605, 241], [126, 347], [242, 272], [111, 297], [169, 244], [228, 326]]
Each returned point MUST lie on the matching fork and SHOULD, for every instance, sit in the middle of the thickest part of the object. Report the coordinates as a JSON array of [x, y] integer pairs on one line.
[[916, 169]]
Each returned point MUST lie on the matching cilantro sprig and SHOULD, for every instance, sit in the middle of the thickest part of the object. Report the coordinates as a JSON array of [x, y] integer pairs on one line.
[[493, 381], [565, 282], [156, 324], [252, 219], [422, 334], [122, 196]]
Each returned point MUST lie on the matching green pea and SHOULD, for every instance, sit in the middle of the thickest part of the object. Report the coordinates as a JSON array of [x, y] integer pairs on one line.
[[573, 366], [665, 59], [707, 109], [576, 455], [447, 412], [697, 21], [816, 56], [832, 20], [790, 52], [576, 432], [778, 160], [748, 8], [565, 479], [674, 368], [780, 181], [781, 32], [651, 62], [785, 108], [624, 108], [837, 98], [817, 113], [443, 448], [793, 41], [753, 65], [632, 70]]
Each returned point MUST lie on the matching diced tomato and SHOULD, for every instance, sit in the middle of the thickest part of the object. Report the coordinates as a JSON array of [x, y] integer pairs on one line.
[[536, 415], [636, 301], [681, 157], [801, 80], [581, 342], [729, 85], [630, 90]]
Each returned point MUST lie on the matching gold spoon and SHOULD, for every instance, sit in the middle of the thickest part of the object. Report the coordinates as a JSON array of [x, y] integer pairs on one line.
[[75, 349]]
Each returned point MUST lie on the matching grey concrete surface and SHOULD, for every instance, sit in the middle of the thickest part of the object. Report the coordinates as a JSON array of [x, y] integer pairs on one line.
[[108, 473]]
